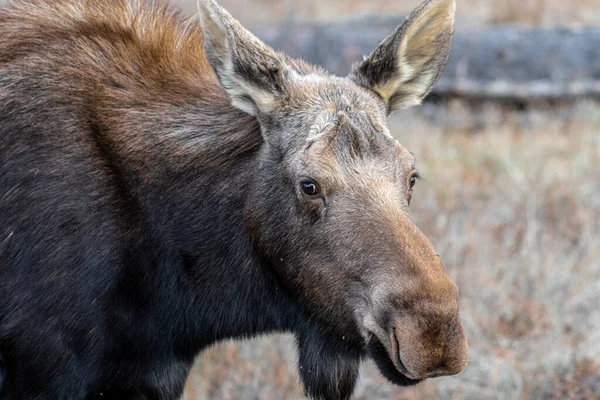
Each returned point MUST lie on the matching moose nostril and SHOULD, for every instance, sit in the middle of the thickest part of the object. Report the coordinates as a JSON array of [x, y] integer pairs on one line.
[[396, 349], [401, 365]]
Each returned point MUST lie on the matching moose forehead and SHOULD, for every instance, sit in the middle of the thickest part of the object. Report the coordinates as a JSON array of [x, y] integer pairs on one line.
[[319, 91], [344, 129], [344, 119]]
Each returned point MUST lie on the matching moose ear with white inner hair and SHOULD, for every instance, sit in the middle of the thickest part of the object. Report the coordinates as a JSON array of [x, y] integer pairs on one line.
[[406, 64], [251, 72]]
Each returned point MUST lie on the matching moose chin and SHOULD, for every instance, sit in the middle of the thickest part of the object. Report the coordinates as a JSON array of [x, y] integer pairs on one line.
[[167, 182]]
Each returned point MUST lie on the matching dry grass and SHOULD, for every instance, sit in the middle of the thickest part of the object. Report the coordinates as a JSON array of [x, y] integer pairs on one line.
[[511, 201]]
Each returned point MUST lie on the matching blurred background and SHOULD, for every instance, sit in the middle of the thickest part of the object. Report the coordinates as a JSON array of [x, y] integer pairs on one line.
[[509, 145]]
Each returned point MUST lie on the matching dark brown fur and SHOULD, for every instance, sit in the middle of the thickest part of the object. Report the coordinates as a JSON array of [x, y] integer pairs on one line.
[[151, 203]]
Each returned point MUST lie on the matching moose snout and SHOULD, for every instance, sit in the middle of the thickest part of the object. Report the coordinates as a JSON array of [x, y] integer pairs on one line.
[[413, 310], [424, 348]]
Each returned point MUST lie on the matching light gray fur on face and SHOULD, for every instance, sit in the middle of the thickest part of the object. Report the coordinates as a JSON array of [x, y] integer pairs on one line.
[[347, 150]]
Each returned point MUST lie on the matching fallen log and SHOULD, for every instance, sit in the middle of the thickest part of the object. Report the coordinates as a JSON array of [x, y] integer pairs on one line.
[[499, 63]]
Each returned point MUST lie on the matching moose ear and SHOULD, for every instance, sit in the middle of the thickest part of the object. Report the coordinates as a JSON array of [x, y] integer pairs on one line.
[[406, 64], [251, 73]]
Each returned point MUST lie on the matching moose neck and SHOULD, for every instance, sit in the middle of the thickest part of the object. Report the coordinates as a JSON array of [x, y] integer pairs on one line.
[[193, 192]]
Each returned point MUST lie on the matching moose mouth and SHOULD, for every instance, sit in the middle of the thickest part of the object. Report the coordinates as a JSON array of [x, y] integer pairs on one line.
[[392, 369]]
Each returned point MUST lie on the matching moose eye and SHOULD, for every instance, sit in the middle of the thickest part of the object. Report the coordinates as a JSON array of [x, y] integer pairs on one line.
[[309, 188], [413, 180]]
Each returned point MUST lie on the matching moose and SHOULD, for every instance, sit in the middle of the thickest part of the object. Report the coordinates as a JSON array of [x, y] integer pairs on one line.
[[167, 182]]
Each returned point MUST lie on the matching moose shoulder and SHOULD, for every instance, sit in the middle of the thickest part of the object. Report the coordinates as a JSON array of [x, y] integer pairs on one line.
[[166, 183]]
